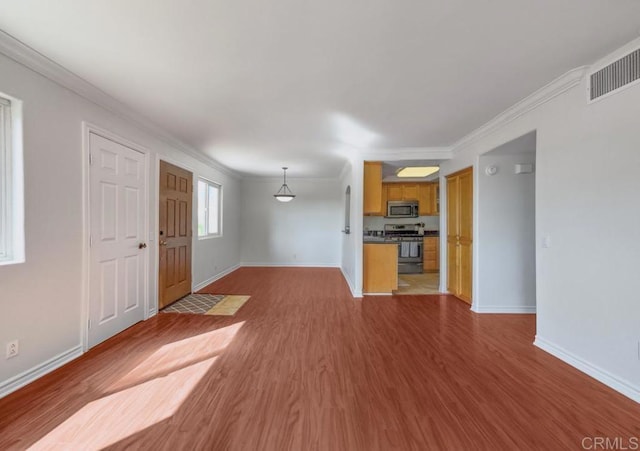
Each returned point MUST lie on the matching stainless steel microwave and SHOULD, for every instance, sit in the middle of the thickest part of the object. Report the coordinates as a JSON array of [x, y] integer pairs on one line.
[[402, 209]]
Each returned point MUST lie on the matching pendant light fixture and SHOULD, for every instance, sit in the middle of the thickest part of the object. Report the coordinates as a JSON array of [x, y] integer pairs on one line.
[[284, 194]]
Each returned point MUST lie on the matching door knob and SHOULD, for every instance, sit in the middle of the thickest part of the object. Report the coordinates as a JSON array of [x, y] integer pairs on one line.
[[142, 246], [163, 243]]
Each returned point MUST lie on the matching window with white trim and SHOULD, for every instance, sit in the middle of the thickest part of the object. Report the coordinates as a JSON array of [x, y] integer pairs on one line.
[[209, 209], [11, 196]]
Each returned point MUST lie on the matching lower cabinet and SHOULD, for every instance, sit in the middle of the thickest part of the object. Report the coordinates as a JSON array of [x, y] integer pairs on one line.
[[380, 262], [431, 254]]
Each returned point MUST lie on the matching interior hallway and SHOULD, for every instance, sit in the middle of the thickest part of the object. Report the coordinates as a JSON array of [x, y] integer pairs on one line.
[[303, 365]]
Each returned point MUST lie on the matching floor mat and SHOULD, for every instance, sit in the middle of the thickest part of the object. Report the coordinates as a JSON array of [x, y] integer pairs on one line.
[[198, 304], [229, 305]]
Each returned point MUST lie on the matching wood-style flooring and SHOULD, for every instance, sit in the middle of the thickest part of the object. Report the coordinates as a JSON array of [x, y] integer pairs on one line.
[[303, 366]]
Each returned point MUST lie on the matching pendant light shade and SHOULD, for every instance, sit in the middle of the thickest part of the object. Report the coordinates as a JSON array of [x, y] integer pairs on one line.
[[284, 194]]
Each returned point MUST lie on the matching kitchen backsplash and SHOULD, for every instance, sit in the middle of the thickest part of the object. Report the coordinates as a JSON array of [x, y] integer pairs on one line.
[[378, 222]]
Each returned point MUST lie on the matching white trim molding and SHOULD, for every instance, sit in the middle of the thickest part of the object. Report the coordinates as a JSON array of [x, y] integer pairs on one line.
[[32, 59], [218, 276], [22, 379], [354, 293], [601, 375], [529, 103], [524, 309], [291, 265]]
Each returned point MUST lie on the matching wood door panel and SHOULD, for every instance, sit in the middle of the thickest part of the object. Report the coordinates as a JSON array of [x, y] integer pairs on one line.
[[460, 234], [182, 225], [176, 191], [465, 276], [452, 267], [466, 205]]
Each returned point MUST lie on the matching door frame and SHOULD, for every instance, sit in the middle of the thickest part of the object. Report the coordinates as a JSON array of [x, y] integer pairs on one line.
[[87, 129], [153, 307]]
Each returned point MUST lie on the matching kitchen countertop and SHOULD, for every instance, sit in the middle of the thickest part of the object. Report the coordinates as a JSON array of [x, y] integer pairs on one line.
[[383, 240]]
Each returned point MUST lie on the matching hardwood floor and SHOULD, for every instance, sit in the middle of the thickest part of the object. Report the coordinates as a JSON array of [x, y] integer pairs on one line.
[[303, 366]]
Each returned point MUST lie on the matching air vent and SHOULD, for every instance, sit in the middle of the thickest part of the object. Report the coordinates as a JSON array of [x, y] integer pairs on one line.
[[615, 76]]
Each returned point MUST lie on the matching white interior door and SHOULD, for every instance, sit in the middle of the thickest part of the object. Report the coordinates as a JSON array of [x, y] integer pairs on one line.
[[118, 252]]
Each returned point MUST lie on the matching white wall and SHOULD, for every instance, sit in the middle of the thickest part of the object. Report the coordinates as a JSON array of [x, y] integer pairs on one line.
[[587, 186], [506, 236], [41, 300], [348, 245], [303, 232]]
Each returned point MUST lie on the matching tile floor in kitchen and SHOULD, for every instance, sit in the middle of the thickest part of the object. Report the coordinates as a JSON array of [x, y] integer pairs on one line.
[[427, 283]]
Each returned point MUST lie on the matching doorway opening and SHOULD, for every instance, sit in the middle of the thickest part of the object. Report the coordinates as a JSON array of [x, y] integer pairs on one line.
[[506, 223]]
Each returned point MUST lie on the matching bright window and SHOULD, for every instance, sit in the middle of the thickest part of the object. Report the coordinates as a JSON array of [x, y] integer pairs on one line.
[[11, 193], [209, 209]]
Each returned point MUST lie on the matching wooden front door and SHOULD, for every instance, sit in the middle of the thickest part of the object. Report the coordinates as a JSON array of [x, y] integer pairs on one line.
[[118, 255], [176, 199], [460, 234]]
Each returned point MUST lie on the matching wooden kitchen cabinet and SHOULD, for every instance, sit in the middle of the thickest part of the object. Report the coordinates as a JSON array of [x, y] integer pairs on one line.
[[410, 191], [426, 199], [460, 234], [425, 193], [394, 191], [372, 204], [431, 254], [380, 263]]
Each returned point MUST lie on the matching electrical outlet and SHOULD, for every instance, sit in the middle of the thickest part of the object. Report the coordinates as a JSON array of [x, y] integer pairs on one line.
[[13, 349], [295, 256]]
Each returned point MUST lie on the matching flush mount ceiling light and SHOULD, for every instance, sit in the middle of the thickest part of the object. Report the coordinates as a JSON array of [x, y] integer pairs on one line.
[[284, 194], [417, 171]]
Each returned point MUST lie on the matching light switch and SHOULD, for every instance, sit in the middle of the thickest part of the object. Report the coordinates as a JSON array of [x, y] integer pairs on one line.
[[546, 242]]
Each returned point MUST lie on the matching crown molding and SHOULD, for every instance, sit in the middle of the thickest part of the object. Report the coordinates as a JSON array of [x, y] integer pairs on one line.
[[408, 153], [39, 63], [276, 179], [529, 103]]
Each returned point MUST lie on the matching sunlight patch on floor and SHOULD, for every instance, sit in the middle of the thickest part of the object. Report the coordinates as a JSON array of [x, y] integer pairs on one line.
[[150, 393], [177, 355], [110, 419]]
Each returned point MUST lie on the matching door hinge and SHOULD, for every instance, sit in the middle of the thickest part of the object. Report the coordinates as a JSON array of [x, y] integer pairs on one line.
[[90, 241], [90, 158], [89, 324]]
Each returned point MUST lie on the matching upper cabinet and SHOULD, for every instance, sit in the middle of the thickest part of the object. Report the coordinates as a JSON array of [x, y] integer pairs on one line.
[[373, 188], [425, 193], [376, 193]]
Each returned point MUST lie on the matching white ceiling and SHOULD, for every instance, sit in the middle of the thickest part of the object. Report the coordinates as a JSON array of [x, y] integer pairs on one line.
[[260, 84]]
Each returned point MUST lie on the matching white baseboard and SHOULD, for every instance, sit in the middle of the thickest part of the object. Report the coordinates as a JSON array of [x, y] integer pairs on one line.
[[218, 276], [291, 264], [355, 293], [590, 369], [504, 309], [22, 379]]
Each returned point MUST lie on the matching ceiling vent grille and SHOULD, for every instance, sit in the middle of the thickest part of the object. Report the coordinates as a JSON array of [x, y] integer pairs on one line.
[[615, 76]]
